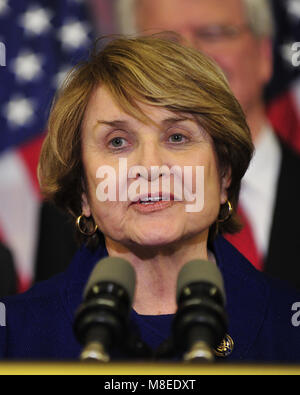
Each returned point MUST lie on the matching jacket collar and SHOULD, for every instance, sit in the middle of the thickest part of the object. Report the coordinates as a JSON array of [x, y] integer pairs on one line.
[[246, 290]]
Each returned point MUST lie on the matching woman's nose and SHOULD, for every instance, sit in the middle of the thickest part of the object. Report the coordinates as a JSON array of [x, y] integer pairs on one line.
[[151, 158]]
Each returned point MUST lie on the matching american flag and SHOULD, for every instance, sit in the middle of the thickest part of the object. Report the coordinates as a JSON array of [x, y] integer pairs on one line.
[[40, 41], [283, 93]]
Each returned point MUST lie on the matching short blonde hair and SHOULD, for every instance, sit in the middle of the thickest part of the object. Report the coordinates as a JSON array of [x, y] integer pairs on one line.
[[157, 72]]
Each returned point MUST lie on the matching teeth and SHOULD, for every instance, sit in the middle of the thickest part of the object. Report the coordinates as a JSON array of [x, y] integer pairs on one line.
[[151, 199]]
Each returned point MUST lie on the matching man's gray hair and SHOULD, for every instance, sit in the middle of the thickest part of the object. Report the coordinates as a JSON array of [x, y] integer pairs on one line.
[[260, 17], [258, 12]]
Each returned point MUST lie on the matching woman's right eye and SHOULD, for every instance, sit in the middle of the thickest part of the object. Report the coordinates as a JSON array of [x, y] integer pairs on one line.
[[117, 142]]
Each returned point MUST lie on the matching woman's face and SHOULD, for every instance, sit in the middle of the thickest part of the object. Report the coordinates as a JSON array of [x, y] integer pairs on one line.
[[148, 207]]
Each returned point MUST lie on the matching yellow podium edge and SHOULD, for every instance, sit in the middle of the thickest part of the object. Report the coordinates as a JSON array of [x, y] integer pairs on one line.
[[141, 369]]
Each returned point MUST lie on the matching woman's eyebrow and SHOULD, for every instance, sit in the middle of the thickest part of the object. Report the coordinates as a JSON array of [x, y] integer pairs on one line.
[[172, 120], [123, 123], [116, 123]]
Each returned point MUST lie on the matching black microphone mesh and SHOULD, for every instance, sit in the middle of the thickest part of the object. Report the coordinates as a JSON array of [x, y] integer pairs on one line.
[[198, 271], [115, 270]]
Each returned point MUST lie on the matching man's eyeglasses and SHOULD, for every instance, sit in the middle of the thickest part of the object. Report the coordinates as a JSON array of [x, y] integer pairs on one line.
[[220, 33]]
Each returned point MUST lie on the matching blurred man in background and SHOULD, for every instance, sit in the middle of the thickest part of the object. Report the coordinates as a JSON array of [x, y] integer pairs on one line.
[[238, 35]]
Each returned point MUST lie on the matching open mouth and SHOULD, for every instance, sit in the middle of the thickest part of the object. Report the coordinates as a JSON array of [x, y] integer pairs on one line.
[[153, 199], [153, 203]]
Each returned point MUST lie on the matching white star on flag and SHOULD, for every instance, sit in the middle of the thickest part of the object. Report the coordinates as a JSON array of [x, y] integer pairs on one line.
[[36, 21], [37, 59], [293, 8], [61, 76], [27, 66], [74, 34], [19, 111], [3, 7]]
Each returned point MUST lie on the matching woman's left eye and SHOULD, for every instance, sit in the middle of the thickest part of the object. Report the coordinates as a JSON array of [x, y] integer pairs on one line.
[[177, 138]]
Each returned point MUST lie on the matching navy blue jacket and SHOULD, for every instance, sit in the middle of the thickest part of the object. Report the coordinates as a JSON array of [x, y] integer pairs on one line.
[[39, 322]]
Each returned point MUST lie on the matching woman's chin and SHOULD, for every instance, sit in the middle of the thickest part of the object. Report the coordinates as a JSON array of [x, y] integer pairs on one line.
[[156, 239]]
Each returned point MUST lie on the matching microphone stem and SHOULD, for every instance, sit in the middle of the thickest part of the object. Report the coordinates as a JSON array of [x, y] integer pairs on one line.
[[199, 352], [94, 352], [200, 345], [97, 343]]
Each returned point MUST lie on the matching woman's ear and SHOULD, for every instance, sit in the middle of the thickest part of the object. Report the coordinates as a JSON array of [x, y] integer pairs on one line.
[[225, 184], [86, 210]]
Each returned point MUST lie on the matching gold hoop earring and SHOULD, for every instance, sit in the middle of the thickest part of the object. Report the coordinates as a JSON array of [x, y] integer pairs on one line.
[[83, 227], [229, 214]]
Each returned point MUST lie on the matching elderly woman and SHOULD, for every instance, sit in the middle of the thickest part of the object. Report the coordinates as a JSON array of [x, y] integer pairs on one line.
[[149, 102]]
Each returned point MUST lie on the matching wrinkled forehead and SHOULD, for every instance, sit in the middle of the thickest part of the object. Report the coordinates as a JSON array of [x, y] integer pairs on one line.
[[104, 106]]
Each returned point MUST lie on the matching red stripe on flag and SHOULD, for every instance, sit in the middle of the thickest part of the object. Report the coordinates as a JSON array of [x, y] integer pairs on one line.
[[103, 14], [284, 117], [1, 237], [23, 285], [30, 154]]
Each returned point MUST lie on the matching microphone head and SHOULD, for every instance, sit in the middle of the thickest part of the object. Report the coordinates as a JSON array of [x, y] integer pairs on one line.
[[115, 270], [200, 271]]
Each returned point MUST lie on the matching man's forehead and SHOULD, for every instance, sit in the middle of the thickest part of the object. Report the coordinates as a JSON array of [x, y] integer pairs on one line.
[[200, 11]]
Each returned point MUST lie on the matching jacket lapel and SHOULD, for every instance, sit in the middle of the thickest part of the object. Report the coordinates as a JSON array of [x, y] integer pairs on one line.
[[247, 297]]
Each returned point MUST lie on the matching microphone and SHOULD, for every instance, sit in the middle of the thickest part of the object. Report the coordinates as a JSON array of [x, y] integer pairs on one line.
[[200, 322], [101, 322]]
